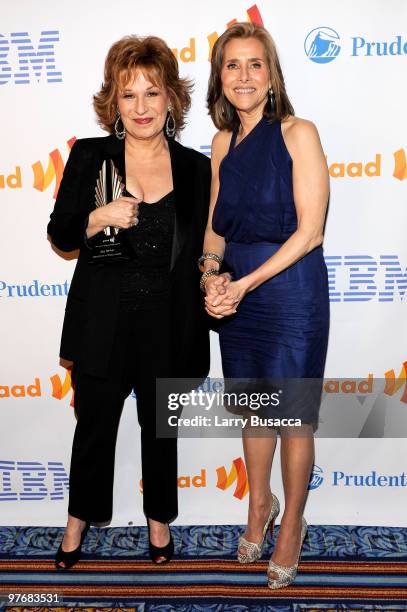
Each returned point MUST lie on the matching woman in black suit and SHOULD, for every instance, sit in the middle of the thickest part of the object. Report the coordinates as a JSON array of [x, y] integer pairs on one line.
[[138, 316]]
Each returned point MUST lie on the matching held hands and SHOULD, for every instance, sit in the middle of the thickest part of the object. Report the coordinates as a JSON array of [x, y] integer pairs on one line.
[[222, 295], [121, 213]]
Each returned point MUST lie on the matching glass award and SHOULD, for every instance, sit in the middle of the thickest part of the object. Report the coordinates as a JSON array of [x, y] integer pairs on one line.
[[109, 245]]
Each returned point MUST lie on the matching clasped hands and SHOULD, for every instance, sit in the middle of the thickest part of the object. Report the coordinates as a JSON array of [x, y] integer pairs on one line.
[[222, 295]]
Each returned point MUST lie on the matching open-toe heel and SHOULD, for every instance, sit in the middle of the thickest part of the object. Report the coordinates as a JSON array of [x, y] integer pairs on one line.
[[252, 549], [69, 559]]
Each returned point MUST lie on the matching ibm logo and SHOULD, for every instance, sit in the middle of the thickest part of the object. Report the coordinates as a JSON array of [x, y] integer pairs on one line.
[[31, 480], [41, 59], [366, 278]]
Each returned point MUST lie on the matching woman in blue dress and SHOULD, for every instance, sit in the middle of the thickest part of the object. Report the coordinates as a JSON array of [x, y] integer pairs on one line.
[[269, 196]]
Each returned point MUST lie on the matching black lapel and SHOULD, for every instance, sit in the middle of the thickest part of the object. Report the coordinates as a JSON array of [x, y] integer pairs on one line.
[[182, 176]]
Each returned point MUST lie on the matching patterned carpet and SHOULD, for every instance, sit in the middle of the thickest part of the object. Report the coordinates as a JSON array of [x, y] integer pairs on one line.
[[342, 568]]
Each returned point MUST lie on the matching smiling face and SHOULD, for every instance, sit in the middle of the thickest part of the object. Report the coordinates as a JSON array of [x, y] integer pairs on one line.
[[143, 107], [245, 75]]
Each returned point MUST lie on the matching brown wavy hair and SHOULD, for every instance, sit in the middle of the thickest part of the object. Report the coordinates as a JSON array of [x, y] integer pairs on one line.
[[153, 56], [223, 113]]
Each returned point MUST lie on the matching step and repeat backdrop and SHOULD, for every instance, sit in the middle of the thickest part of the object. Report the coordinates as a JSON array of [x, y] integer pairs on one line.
[[344, 65]]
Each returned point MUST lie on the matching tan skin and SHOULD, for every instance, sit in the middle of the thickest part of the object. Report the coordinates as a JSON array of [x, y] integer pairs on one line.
[[246, 80], [143, 108]]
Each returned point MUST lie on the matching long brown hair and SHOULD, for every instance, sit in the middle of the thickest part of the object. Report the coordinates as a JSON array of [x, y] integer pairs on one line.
[[223, 113], [153, 56]]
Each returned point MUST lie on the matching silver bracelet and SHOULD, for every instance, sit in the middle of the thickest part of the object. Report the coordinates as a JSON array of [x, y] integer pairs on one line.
[[205, 276], [212, 256]]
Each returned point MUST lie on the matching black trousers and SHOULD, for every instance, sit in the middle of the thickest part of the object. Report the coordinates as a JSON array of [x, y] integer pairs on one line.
[[140, 354]]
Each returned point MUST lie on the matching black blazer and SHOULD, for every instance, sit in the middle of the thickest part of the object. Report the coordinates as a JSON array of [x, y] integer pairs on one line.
[[93, 300]]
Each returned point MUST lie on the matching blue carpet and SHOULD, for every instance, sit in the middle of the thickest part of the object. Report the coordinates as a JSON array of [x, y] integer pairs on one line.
[[342, 568]]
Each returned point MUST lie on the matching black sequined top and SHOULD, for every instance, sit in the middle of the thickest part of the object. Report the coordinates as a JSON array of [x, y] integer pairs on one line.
[[145, 279]]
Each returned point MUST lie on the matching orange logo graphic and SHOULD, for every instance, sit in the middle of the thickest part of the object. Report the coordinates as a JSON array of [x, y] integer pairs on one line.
[[33, 390], [237, 473], [188, 53], [393, 385], [349, 386], [354, 169], [198, 481], [61, 389], [187, 482], [253, 15], [12, 181], [400, 165], [55, 169]]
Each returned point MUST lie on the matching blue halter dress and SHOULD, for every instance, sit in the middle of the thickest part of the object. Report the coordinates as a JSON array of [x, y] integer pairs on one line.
[[280, 328]]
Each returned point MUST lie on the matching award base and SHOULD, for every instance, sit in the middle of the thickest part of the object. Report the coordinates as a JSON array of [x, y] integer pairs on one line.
[[109, 249]]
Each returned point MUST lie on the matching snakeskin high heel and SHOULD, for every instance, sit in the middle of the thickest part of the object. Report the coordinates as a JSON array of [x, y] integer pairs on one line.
[[286, 575], [252, 549]]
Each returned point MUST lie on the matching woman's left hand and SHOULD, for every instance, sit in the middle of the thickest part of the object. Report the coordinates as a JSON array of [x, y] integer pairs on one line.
[[220, 306]]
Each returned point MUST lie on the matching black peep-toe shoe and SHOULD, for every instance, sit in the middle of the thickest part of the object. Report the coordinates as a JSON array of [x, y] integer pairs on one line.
[[160, 554], [69, 559]]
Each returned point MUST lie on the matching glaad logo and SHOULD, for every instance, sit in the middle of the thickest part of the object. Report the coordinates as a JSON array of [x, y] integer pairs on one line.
[[356, 169], [316, 479], [42, 177], [253, 15], [400, 165], [188, 53], [322, 45], [13, 180], [187, 481], [33, 390], [59, 388], [55, 169], [372, 168], [40, 59], [236, 474], [393, 384], [366, 386]]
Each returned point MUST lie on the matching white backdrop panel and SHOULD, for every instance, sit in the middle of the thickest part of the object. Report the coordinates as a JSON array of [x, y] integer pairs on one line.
[[356, 102]]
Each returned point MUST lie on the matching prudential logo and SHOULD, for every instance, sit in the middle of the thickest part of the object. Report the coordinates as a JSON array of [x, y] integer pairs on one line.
[[316, 479], [322, 45]]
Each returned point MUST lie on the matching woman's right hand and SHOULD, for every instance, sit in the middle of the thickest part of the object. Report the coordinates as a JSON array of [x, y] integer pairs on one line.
[[121, 213], [216, 286]]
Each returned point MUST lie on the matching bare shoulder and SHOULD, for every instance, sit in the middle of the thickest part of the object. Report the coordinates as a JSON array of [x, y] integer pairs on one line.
[[299, 133], [220, 145], [301, 137]]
